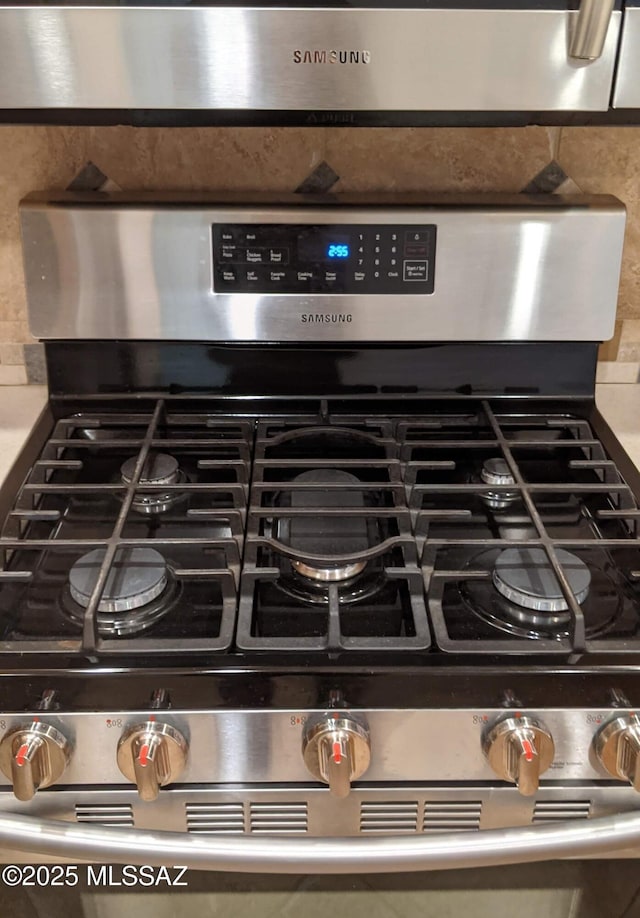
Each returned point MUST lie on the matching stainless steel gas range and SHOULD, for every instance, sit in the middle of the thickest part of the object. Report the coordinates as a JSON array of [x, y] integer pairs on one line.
[[321, 557]]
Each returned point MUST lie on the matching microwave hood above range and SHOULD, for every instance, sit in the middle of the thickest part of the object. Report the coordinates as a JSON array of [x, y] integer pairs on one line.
[[361, 63]]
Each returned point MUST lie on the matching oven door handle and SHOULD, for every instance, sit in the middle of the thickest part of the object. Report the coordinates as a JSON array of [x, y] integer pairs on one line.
[[590, 33], [491, 847]]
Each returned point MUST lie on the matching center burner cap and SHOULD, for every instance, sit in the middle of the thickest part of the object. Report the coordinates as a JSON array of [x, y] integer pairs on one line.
[[329, 574], [525, 577], [323, 534], [159, 468], [137, 577]]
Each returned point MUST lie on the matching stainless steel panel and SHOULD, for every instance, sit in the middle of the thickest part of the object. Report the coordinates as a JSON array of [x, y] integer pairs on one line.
[[291, 59], [265, 747], [498, 807], [507, 270], [627, 86]]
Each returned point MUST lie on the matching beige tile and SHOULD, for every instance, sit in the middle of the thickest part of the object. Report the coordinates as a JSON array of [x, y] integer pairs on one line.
[[14, 330], [11, 354], [630, 331], [13, 376], [607, 160], [615, 371], [629, 347], [437, 159], [207, 158]]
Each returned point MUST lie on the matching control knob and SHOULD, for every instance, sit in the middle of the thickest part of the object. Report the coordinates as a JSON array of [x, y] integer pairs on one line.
[[617, 746], [32, 756], [151, 755], [519, 749], [336, 750]]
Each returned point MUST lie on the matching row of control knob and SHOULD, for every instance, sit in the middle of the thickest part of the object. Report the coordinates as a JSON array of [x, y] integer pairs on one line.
[[150, 755], [336, 749]]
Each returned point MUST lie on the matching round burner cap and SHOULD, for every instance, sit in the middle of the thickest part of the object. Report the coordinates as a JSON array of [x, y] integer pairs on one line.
[[159, 468], [525, 577], [329, 574], [137, 577]]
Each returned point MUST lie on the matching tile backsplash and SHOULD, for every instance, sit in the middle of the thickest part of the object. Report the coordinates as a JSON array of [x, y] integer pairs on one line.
[[280, 159]]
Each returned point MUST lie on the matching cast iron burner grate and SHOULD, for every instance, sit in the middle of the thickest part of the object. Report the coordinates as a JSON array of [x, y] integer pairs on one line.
[[77, 503], [330, 559], [323, 532], [564, 498]]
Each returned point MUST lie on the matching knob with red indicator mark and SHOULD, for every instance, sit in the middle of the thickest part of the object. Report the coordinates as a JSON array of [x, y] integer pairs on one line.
[[617, 746], [33, 756], [519, 749], [336, 750], [151, 755]]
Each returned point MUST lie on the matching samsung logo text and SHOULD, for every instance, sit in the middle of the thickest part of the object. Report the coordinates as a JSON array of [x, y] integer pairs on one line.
[[302, 56]]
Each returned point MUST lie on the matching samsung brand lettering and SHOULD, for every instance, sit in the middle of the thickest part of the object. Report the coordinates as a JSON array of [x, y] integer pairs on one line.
[[335, 318], [306, 56]]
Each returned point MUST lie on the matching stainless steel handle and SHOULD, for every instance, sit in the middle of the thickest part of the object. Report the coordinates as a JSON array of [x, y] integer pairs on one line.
[[321, 855], [589, 36]]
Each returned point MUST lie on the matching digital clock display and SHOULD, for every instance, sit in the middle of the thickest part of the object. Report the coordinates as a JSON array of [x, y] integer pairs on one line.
[[319, 245]]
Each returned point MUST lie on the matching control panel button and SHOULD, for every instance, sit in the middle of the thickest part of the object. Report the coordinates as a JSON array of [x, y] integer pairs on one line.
[[415, 271], [421, 236], [230, 253], [276, 276], [336, 750], [278, 256], [229, 275], [519, 749], [415, 250], [253, 275], [254, 256], [33, 756]]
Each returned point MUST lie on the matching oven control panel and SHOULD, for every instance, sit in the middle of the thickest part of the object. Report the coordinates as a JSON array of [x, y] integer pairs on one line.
[[324, 258]]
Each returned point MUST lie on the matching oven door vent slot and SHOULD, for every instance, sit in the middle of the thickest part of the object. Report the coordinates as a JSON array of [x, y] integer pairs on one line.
[[389, 818], [444, 816], [105, 814], [278, 818], [546, 811], [215, 818]]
